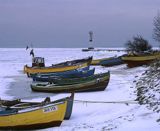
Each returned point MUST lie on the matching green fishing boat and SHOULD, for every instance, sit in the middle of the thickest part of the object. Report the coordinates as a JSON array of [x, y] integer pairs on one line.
[[97, 82]]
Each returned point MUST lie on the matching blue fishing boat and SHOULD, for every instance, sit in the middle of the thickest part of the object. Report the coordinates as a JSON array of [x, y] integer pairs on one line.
[[112, 61], [63, 73], [74, 74]]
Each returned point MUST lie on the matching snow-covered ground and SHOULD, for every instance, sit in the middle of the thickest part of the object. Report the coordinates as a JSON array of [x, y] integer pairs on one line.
[[85, 116]]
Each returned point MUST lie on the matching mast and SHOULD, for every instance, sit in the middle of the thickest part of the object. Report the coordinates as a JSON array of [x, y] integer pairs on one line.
[[90, 36], [91, 39]]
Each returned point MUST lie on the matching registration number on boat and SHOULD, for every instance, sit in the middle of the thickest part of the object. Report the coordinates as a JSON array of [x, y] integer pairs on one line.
[[50, 109]]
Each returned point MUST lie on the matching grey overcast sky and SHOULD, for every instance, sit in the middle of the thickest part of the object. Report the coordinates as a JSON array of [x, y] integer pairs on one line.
[[66, 23]]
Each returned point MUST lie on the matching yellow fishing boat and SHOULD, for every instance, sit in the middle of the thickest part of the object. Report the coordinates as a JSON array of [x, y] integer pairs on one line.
[[32, 70], [65, 66], [34, 117], [137, 60]]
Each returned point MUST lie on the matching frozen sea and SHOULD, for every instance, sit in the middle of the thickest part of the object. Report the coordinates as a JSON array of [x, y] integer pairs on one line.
[[85, 116]]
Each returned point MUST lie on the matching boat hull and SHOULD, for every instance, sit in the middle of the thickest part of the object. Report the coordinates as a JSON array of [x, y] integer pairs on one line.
[[108, 61], [131, 64], [91, 88], [30, 70], [112, 62], [65, 66], [69, 107], [8, 103], [64, 73], [53, 78], [98, 84], [35, 117], [33, 126], [73, 62], [134, 61]]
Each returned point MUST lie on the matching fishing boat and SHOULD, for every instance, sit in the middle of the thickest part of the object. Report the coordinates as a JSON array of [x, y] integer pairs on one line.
[[98, 83], [133, 60], [98, 61], [70, 81], [4, 104], [111, 61], [77, 72], [73, 62], [21, 117], [65, 66], [68, 74]]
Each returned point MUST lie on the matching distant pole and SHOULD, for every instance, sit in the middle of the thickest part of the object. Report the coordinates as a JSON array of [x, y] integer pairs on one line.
[[90, 40], [90, 36]]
